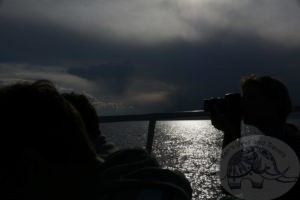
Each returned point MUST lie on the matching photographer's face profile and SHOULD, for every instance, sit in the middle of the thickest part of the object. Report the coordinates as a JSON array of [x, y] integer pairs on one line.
[[257, 108]]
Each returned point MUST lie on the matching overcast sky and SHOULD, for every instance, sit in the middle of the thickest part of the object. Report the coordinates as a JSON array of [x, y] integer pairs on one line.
[[141, 56]]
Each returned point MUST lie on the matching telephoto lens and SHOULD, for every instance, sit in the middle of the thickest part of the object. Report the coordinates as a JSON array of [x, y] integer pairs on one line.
[[231, 103]]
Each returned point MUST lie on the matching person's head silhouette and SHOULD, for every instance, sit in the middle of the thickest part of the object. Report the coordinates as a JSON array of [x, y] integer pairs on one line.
[[266, 101], [44, 146], [87, 112], [91, 121]]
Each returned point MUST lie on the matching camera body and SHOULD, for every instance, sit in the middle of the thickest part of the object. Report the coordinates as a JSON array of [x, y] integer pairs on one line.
[[231, 104]]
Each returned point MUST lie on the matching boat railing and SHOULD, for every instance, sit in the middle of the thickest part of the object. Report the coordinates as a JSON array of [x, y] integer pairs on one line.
[[153, 118]]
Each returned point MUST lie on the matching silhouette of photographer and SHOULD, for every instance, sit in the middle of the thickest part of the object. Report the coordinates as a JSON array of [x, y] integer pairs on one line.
[[265, 104]]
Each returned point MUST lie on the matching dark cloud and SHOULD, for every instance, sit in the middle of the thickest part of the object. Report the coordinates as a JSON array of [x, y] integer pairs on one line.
[[173, 74], [39, 43], [196, 70], [216, 68], [114, 76]]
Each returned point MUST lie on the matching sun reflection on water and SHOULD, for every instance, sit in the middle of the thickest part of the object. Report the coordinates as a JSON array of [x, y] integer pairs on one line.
[[192, 147]]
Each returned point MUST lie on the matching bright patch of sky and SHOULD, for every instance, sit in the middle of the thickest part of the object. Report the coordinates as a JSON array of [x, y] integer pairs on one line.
[[157, 21]]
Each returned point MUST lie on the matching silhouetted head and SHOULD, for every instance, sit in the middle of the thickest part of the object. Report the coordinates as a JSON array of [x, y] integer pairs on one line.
[[37, 114], [266, 99], [87, 112], [43, 139]]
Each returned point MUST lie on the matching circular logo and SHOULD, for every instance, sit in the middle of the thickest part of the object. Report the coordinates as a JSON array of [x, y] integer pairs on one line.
[[258, 167]]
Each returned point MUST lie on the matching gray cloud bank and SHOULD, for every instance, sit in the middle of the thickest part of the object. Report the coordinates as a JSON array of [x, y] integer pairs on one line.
[[150, 56], [163, 20]]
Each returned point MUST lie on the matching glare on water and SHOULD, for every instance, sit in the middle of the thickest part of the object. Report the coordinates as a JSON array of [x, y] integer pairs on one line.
[[193, 147]]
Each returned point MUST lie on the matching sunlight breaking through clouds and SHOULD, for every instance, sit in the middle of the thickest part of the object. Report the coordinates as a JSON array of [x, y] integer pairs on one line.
[[139, 94], [157, 21], [11, 73], [150, 56]]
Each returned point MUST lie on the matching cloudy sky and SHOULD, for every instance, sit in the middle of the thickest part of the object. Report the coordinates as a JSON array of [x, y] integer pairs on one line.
[[141, 56]]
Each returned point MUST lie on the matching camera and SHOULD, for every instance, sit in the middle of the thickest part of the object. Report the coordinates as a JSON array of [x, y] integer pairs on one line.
[[230, 104]]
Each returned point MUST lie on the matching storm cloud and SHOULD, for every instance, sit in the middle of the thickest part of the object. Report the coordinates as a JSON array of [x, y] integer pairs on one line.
[[163, 20], [138, 56]]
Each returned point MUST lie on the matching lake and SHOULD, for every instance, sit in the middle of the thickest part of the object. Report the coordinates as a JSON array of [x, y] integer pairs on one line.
[[193, 147]]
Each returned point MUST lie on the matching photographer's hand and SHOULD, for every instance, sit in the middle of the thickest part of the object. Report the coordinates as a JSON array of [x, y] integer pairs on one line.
[[229, 123]]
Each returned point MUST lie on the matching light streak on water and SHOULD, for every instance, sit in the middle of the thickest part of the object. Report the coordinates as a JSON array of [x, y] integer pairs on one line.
[[193, 147]]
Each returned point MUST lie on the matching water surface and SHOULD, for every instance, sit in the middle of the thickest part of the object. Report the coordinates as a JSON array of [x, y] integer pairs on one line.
[[192, 147]]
